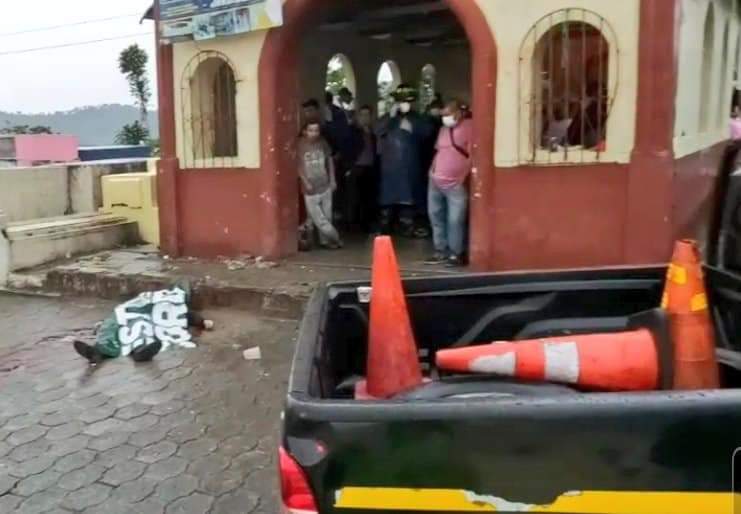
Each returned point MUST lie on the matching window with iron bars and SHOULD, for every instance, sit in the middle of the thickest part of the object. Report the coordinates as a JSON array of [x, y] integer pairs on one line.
[[568, 81], [209, 114]]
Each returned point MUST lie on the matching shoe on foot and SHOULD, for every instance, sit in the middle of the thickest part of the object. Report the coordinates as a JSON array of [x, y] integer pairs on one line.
[[454, 261], [146, 352], [436, 258], [422, 233], [90, 353]]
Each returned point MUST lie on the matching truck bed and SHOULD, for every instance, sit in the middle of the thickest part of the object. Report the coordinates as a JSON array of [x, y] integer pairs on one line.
[[550, 450]]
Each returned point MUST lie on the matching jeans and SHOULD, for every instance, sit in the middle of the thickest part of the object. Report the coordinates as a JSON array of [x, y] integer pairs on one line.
[[448, 210], [319, 211]]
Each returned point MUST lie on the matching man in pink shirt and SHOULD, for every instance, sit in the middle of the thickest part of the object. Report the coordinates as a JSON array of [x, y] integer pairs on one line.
[[736, 124], [448, 191]]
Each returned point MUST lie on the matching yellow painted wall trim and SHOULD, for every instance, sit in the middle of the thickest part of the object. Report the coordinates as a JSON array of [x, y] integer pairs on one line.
[[579, 502]]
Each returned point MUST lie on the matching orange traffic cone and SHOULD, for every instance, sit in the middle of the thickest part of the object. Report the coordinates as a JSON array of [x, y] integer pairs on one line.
[[638, 360], [686, 302], [392, 352]]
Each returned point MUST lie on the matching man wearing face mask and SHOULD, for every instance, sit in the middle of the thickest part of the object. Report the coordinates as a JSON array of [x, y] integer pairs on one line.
[[448, 190], [402, 171]]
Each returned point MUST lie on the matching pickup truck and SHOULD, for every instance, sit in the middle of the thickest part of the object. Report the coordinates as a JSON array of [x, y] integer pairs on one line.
[[483, 444]]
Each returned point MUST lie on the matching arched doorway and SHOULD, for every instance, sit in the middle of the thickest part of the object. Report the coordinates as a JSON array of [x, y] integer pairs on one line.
[[388, 79], [278, 82], [340, 73]]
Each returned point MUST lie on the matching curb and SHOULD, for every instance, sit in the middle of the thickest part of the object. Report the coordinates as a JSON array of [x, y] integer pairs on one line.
[[110, 286]]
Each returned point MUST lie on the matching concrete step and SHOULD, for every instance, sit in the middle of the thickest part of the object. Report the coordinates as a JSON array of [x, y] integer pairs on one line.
[[35, 242]]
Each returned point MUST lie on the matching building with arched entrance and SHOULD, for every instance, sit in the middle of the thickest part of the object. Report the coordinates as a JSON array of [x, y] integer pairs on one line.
[[596, 137]]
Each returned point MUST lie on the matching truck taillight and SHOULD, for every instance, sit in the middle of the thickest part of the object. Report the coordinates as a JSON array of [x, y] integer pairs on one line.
[[295, 490]]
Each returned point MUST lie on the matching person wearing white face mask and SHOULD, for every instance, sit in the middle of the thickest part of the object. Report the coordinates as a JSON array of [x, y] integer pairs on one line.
[[448, 190], [402, 192]]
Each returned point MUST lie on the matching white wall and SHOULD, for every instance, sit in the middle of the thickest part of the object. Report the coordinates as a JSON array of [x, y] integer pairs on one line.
[[30, 193], [687, 136], [243, 53], [51, 191]]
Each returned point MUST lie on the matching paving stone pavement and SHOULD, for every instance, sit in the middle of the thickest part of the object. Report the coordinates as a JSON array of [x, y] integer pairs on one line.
[[192, 432]]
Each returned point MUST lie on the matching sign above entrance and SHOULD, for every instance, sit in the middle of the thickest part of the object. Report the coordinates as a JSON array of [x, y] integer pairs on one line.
[[182, 20]]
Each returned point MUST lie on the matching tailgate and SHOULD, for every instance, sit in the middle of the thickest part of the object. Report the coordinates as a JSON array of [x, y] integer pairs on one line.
[[628, 454]]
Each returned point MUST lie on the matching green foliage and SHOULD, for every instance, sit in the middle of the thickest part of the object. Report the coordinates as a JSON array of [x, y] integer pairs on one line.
[[133, 64], [26, 129], [132, 134], [336, 75]]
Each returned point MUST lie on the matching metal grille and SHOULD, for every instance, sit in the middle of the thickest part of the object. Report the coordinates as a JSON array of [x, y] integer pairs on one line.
[[568, 81], [208, 111]]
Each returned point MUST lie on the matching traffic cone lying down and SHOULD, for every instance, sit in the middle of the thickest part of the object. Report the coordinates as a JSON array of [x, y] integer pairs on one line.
[[637, 360], [393, 366], [686, 302]]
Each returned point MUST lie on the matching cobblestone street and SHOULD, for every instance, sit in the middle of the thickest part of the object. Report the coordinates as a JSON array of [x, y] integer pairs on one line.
[[192, 432]]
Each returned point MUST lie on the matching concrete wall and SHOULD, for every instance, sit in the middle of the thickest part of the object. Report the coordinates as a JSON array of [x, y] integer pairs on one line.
[[50, 191], [86, 193], [29, 193], [688, 138]]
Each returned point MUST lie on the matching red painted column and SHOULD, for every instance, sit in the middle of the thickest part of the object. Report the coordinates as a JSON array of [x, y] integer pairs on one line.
[[168, 168], [648, 224], [483, 85]]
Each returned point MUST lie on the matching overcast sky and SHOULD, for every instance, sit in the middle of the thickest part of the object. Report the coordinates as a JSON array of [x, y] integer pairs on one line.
[[64, 78]]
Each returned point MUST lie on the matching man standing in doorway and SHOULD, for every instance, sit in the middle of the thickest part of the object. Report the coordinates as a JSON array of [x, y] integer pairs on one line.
[[343, 136], [402, 172], [448, 190], [362, 187]]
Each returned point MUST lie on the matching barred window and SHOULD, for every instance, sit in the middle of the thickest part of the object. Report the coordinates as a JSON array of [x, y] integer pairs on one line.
[[209, 112], [569, 80]]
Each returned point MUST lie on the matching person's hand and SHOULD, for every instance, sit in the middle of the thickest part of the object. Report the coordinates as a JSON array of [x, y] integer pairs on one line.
[[333, 186], [308, 189]]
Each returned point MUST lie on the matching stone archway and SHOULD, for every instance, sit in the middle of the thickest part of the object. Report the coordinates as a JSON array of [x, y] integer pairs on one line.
[[278, 83]]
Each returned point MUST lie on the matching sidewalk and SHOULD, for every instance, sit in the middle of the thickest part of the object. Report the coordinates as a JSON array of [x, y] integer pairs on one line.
[[273, 289]]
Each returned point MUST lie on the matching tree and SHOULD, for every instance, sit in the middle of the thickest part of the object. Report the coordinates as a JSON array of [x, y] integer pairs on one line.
[[132, 134], [40, 129], [336, 75], [26, 129], [133, 64]]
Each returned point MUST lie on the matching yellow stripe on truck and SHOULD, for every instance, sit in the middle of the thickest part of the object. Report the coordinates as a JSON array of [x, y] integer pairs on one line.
[[577, 502]]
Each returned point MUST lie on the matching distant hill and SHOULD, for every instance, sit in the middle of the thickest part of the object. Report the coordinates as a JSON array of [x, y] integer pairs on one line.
[[94, 125]]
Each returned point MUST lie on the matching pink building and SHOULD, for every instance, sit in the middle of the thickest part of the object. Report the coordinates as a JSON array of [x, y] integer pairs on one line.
[[32, 149]]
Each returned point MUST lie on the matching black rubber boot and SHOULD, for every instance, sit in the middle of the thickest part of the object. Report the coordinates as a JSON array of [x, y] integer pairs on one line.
[[146, 352], [90, 353]]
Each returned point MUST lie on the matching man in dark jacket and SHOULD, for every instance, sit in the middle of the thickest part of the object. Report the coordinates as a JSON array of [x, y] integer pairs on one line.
[[403, 177], [343, 137]]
